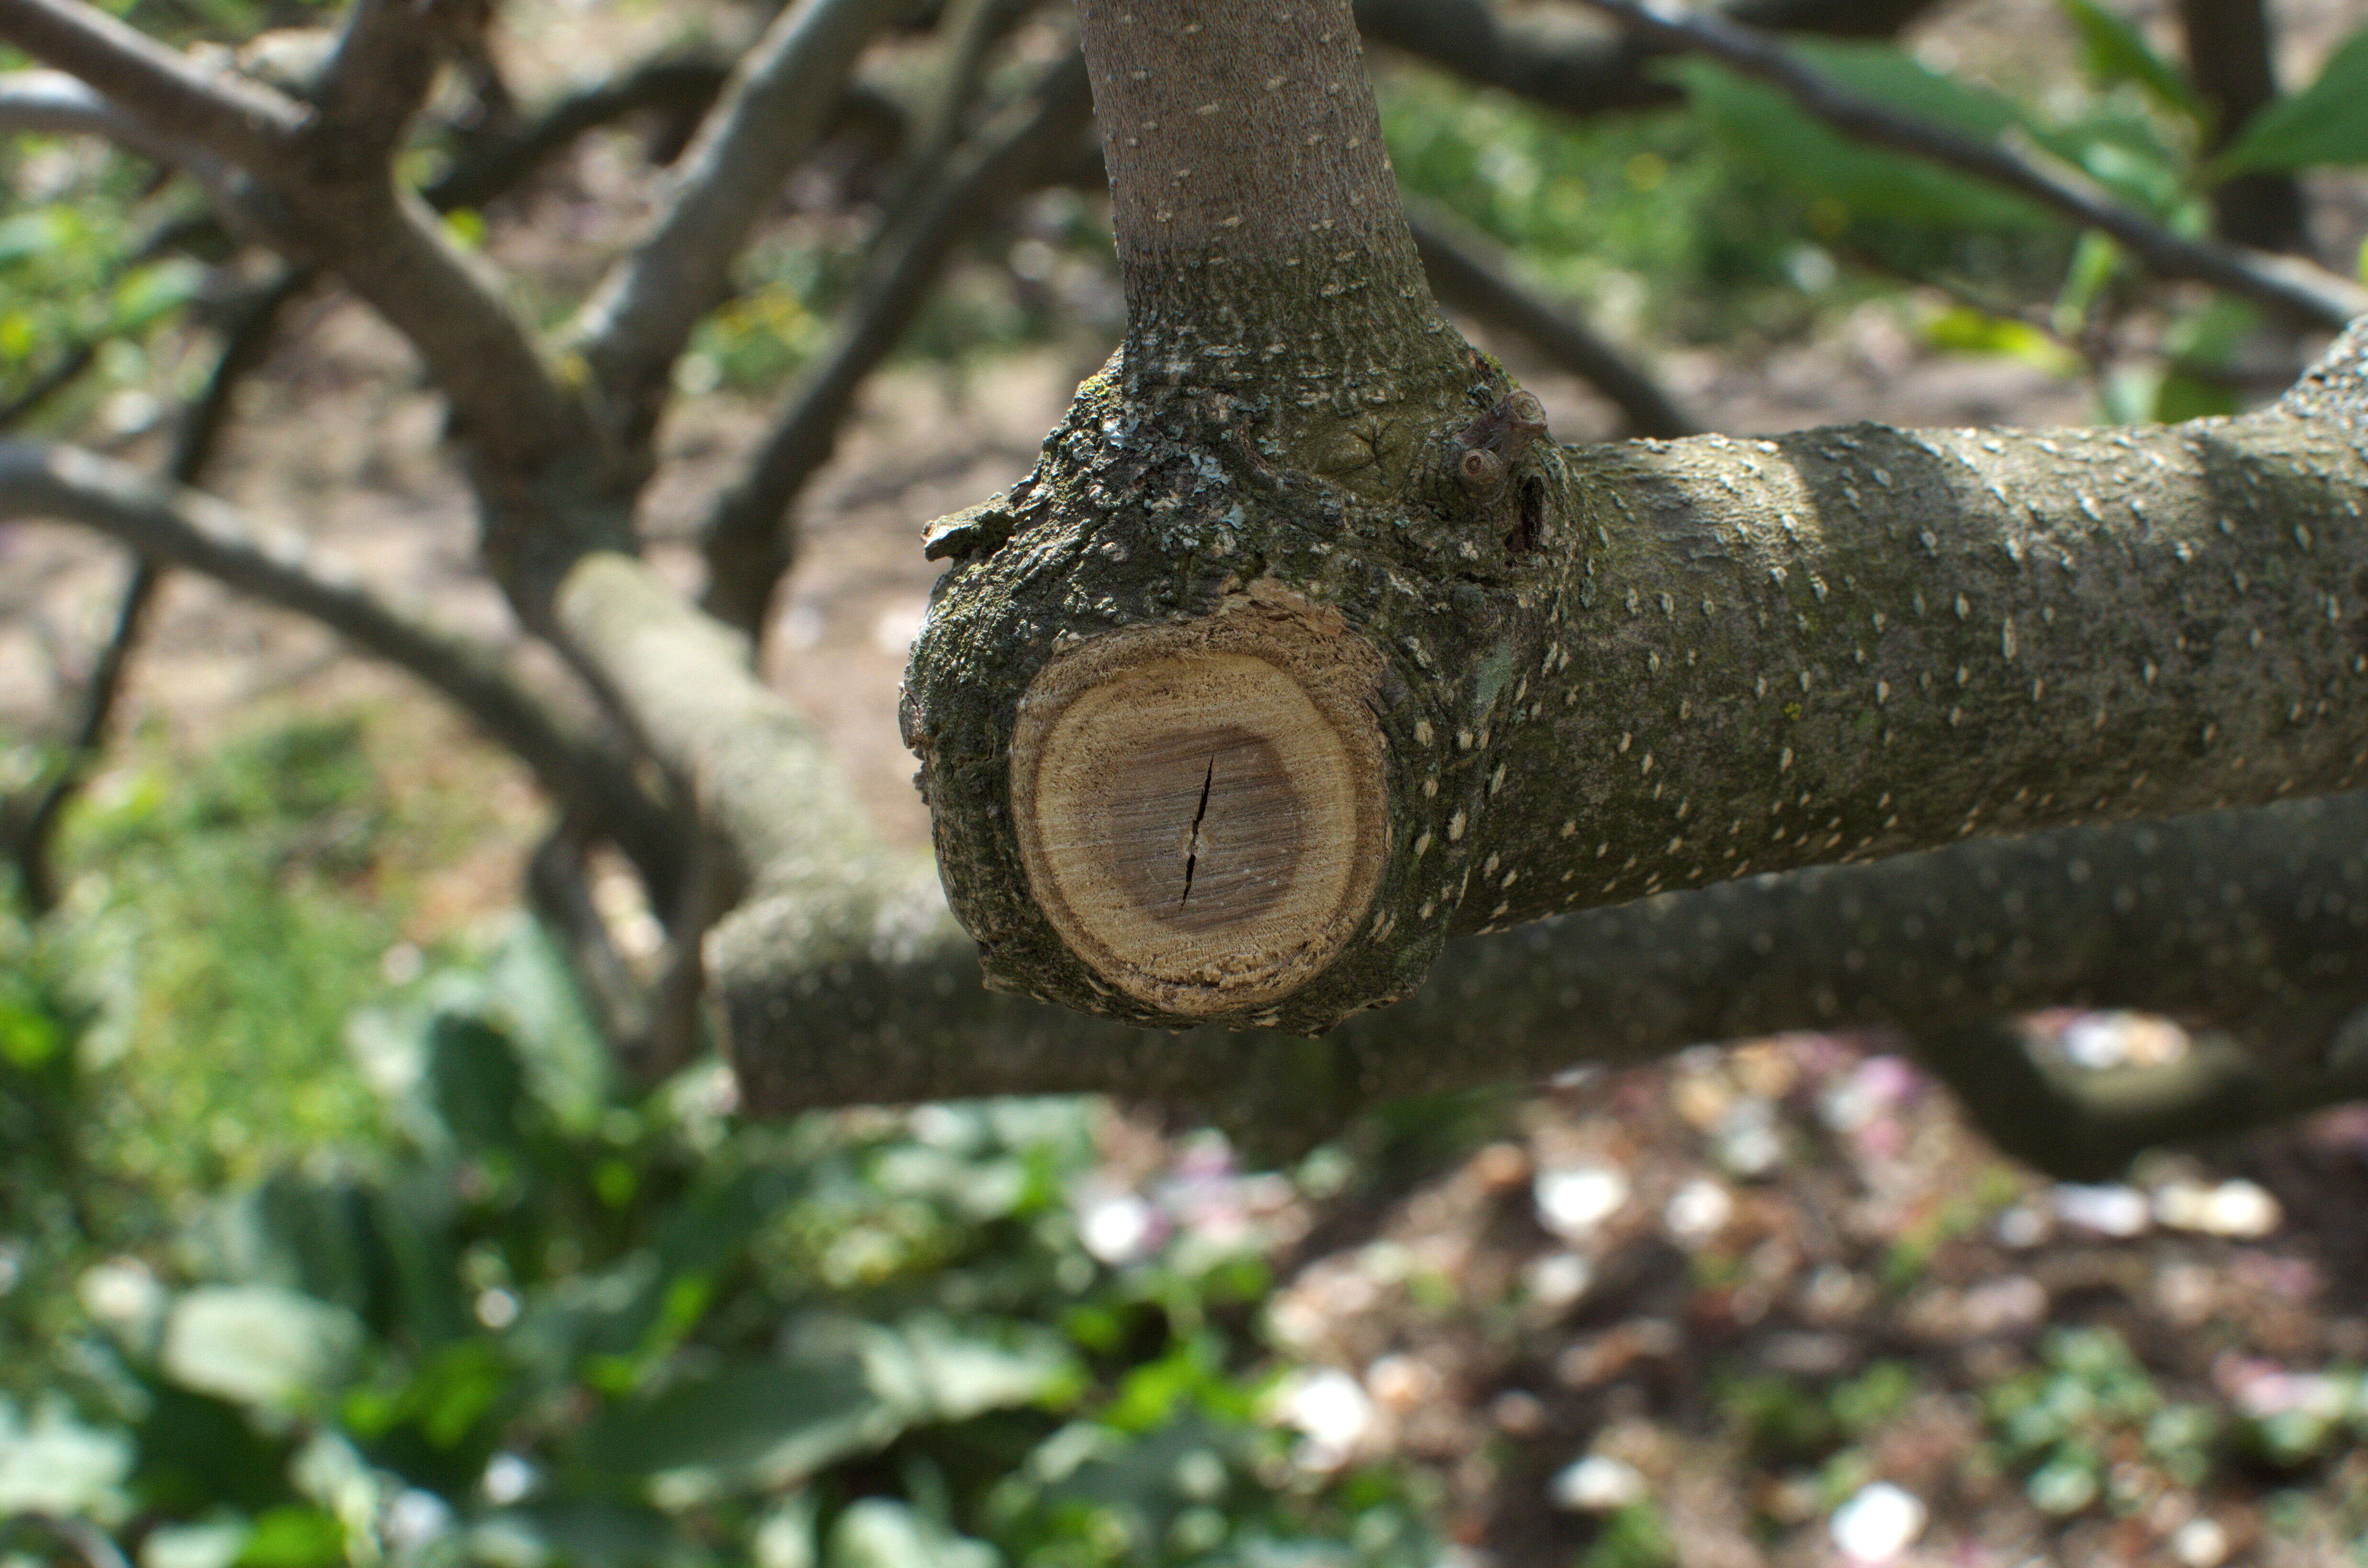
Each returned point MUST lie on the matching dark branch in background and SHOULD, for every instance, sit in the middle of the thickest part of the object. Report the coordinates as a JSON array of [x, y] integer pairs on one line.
[[383, 242], [1468, 274], [2297, 289], [84, 1539], [769, 116], [51, 103], [681, 83], [748, 538], [971, 30], [2231, 58], [184, 529], [1555, 63], [246, 340], [561, 898], [79, 357]]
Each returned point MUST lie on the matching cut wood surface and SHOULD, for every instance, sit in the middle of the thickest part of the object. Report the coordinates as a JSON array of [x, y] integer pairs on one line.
[[1201, 806]]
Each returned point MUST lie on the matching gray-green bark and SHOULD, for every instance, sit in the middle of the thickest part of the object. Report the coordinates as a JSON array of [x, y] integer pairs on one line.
[[1617, 670], [2251, 923]]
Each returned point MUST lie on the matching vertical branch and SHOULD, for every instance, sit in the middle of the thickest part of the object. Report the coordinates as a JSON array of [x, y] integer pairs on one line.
[[748, 542], [773, 109], [1257, 220], [2230, 54]]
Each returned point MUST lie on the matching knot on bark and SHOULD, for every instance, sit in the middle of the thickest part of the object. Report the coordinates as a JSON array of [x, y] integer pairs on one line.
[[1486, 449]]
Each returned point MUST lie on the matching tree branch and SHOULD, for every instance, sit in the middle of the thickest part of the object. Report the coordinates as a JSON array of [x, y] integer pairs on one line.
[[375, 80], [2248, 921], [1465, 276], [685, 82], [249, 335], [769, 114], [239, 120], [185, 528], [1301, 652], [2232, 57], [748, 540], [1545, 57], [2294, 287]]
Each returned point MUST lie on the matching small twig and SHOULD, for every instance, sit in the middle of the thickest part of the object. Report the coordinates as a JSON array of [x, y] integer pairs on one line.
[[748, 540], [1464, 276], [770, 112], [79, 357], [2293, 287], [676, 81], [185, 528]]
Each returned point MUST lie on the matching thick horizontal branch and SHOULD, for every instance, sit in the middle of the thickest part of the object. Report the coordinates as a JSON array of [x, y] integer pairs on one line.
[[184, 529], [2250, 922], [240, 121], [1302, 649], [1570, 677], [1465, 276], [769, 115], [843, 979], [2307, 293], [746, 540]]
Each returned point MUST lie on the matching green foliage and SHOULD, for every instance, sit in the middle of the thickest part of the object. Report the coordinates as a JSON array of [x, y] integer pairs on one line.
[[2112, 50], [513, 1314], [1635, 1537], [1650, 214], [2326, 122], [2089, 1422]]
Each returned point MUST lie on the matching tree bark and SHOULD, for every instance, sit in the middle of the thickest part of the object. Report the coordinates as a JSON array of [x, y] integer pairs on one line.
[[2246, 923], [1593, 674]]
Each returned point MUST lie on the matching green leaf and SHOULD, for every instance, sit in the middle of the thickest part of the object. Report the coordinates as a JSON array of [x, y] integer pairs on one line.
[[880, 1533], [928, 1369], [749, 1425], [29, 1036], [1969, 330], [294, 1536], [54, 1464], [2326, 122], [2114, 51], [258, 1344], [476, 1081], [210, 1543], [1764, 126]]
